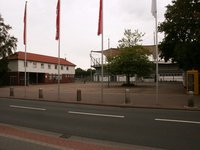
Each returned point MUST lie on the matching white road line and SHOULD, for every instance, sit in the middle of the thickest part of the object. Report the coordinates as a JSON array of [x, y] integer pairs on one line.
[[178, 121], [94, 114], [24, 107]]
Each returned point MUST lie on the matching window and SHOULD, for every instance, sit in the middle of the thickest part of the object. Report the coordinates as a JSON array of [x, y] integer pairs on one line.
[[49, 66], [34, 65], [56, 66], [42, 66], [67, 68], [61, 67]]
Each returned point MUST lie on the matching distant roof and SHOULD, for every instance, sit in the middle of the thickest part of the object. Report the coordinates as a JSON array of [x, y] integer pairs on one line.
[[39, 58], [115, 51]]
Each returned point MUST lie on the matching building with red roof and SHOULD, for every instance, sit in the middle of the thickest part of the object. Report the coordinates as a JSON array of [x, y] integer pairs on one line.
[[40, 69]]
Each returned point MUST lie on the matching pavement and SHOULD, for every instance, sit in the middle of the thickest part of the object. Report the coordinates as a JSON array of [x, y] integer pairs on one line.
[[171, 95], [14, 138]]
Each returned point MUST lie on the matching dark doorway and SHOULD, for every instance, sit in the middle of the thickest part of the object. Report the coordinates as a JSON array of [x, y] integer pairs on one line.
[[36, 78]]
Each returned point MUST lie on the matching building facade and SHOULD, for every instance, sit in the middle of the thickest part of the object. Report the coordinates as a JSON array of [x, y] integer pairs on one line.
[[167, 71], [40, 69]]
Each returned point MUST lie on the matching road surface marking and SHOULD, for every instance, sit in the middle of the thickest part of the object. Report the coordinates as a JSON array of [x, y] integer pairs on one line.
[[94, 114], [24, 107], [179, 121]]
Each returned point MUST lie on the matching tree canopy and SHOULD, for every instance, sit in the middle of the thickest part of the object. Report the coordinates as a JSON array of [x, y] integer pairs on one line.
[[182, 34], [130, 38], [83, 74], [7, 45], [132, 59]]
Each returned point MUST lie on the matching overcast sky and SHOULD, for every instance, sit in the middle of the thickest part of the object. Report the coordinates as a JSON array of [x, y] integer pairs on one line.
[[79, 23]]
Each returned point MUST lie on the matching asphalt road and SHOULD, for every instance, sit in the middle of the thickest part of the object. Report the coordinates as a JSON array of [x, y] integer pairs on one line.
[[168, 129]]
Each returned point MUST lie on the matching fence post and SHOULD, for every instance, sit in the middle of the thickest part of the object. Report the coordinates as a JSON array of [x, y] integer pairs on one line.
[[191, 99], [11, 91], [127, 96], [40, 93], [78, 94]]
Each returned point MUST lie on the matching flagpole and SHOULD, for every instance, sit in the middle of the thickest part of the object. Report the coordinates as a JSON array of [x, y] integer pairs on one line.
[[58, 11], [154, 13], [25, 69], [102, 70], [25, 43], [58, 38], [157, 77]]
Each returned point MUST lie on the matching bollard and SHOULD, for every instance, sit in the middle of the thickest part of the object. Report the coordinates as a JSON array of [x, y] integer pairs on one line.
[[191, 99], [40, 93], [127, 96], [78, 95], [11, 91]]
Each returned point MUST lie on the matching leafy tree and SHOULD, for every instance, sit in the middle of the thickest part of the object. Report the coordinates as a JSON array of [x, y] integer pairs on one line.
[[130, 38], [82, 74], [3, 71], [7, 45], [132, 59], [182, 34], [79, 73], [90, 71]]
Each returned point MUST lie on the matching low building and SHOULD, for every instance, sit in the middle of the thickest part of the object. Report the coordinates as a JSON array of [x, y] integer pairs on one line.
[[40, 69], [167, 71]]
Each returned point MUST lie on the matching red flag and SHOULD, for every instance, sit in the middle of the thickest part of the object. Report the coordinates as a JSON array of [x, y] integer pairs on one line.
[[58, 21], [25, 23], [100, 18]]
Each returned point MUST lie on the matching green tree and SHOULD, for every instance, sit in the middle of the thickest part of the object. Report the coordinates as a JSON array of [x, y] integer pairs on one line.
[[90, 72], [7, 45], [130, 38], [82, 74], [132, 59], [182, 34]]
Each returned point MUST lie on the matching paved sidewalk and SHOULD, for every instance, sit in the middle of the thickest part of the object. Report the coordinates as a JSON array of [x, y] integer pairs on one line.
[[170, 94], [21, 138]]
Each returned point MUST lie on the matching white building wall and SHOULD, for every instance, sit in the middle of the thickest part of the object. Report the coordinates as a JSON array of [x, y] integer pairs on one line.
[[171, 78], [37, 67], [122, 78], [119, 78]]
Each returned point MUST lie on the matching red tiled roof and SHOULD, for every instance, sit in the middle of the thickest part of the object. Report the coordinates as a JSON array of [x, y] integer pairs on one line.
[[39, 58]]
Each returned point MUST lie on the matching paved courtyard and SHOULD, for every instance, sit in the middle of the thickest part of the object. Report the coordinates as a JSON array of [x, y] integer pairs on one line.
[[170, 94]]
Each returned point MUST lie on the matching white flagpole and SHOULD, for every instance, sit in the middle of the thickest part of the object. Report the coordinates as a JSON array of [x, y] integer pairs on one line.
[[154, 13], [102, 71], [25, 42], [59, 69], [25, 62], [59, 53], [100, 31], [157, 75]]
